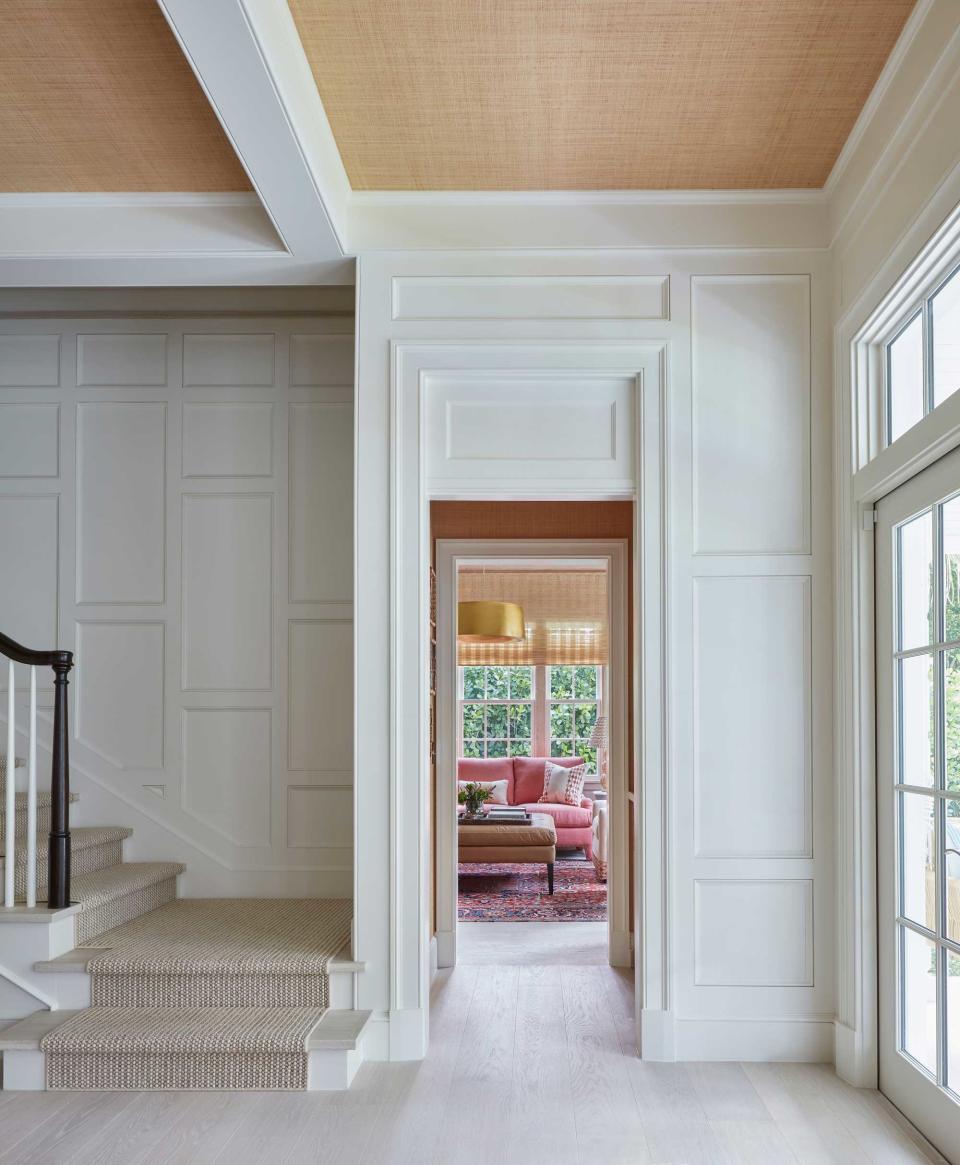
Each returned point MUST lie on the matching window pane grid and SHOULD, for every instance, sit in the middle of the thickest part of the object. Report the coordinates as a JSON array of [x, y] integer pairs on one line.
[[928, 749], [572, 709], [525, 711], [922, 359]]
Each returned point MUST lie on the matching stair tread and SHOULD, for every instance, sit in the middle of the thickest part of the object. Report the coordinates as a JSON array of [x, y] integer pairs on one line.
[[73, 962], [78, 960], [101, 886], [339, 1029], [81, 837], [26, 1033]]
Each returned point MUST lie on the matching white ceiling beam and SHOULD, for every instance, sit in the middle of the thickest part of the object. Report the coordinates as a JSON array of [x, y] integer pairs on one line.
[[248, 58], [130, 240]]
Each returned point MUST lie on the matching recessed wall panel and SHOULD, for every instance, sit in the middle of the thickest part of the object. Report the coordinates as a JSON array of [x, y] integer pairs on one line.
[[547, 297], [29, 440], [119, 679], [125, 360], [29, 361], [320, 695], [751, 406], [227, 770], [28, 573], [232, 439], [497, 427], [321, 361], [120, 502], [753, 932], [319, 817], [752, 730], [227, 570], [321, 503], [228, 360]]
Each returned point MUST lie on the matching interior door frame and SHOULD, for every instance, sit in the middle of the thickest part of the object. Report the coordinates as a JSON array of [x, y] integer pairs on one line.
[[450, 555], [401, 847]]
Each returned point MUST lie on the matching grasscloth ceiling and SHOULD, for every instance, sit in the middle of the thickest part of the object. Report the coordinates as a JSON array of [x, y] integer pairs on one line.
[[594, 94], [95, 95]]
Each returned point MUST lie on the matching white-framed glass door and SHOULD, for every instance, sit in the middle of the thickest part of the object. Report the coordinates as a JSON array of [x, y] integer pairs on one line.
[[918, 799]]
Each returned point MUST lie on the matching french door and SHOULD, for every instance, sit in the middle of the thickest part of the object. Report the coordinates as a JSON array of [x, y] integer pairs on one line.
[[918, 799]]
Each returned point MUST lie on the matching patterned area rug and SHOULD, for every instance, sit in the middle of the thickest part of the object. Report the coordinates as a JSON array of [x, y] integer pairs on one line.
[[518, 893]]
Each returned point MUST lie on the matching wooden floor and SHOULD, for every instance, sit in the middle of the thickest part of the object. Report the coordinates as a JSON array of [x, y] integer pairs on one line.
[[529, 1064]]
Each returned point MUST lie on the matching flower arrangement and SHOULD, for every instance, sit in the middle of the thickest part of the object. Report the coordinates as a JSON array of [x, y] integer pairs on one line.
[[474, 797]]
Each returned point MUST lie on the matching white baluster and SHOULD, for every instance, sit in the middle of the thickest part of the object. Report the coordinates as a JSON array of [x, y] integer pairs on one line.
[[9, 854], [32, 795]]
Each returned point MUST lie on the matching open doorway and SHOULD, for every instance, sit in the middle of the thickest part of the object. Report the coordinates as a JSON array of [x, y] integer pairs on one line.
[[542, 726]]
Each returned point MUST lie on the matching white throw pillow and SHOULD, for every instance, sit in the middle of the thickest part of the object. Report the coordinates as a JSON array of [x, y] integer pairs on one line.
[[563, 786], [498, 790]]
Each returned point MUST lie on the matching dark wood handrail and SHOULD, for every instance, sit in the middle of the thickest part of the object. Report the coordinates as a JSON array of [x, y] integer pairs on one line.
[[20, 654], [58, 870]]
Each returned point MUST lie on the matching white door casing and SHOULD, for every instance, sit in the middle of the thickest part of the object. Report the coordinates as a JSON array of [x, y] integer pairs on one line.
[[413, 483]]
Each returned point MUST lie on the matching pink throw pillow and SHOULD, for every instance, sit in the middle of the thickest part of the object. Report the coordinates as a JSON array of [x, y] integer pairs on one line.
[[562, 786]]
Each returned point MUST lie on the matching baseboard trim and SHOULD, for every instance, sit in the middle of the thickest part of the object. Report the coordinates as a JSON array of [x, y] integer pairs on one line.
[[657, 1036], [408, 1034], [855, 1064], [376, 1038], [620, 948], [446, 948], [809, 1041]]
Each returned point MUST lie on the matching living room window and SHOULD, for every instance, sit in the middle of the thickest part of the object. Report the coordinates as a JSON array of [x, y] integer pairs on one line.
[[496, 711], [574, 700], [547, 710]]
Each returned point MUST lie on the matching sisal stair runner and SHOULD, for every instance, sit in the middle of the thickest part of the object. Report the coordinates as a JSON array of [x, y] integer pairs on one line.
[[108, 890], [203, 994]]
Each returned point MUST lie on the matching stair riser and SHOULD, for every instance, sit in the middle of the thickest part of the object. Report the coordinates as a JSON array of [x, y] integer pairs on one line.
[[176, 1071], [20, 819], [84, 861], [100, 919], [327, 1071], [142, 990]]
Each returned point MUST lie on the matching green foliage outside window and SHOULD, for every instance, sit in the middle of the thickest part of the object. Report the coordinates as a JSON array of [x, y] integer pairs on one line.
[[497, 715]]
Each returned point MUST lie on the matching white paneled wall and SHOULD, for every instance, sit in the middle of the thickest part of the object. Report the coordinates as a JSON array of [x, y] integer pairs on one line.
[[526, 373], [176, 506], [752, 716]]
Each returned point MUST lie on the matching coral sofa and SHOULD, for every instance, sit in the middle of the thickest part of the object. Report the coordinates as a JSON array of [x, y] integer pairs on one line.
[[524, 777]]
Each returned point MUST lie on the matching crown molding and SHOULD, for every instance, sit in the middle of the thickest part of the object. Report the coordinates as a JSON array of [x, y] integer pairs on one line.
[[585, 198], [139, 199], [894, 64]]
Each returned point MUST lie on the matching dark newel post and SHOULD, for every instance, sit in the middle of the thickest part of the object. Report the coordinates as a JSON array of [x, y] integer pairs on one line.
[[58, 892]]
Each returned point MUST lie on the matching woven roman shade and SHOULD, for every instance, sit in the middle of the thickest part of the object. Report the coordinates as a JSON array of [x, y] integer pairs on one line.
[[565, 612]]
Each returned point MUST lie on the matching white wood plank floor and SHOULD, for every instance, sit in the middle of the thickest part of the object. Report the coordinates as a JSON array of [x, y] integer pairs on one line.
[[531, 1063]]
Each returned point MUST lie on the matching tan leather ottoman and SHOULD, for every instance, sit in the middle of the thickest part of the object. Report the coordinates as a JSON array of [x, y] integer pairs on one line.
[[509, 842]]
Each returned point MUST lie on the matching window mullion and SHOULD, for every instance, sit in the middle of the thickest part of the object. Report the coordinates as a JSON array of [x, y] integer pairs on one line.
[[927, 356], [541, 712]]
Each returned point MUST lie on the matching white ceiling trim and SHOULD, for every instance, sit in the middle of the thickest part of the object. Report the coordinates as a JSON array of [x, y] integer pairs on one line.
[[305, 218], [871, 107], [240, 50], [543, 221], [122, 239]]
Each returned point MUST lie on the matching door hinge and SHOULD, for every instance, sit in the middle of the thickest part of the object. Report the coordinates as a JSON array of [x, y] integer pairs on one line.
[[869, 518]]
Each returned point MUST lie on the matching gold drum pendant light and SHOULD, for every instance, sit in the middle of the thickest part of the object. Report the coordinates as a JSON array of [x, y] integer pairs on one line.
[[490, 622]]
